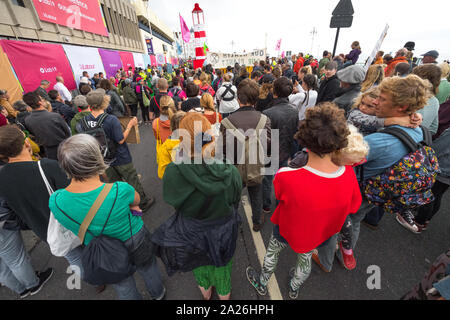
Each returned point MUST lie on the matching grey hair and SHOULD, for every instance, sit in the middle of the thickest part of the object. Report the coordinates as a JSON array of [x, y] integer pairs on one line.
[[20, 106], [80, 157]]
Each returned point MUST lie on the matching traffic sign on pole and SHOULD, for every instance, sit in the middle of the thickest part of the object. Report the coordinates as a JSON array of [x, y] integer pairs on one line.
[[342, 18]]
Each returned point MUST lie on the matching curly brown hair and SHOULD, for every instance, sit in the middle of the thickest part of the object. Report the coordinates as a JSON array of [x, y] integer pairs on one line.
[[324, 129], [431, 73]]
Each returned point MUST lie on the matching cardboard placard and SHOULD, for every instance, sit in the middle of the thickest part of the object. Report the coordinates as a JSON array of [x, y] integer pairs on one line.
[[133, 137]]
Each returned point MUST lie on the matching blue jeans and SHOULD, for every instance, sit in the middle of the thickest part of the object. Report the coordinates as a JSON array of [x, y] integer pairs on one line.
[[126, 289], [328, 249], [267, 188], [16, 271], [74, 259]]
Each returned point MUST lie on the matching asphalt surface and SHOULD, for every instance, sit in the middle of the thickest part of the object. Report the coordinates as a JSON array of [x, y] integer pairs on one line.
[[402, 257]]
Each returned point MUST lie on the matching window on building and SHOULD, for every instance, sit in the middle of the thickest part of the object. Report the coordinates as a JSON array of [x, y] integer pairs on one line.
[[113, 22], [18, 3], [105, 18]]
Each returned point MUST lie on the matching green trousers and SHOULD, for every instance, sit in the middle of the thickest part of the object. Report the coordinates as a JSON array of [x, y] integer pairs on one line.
[[127, 173]]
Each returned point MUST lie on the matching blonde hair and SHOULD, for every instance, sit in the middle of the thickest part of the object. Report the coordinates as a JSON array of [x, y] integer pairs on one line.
[[167, 106], [411, 91], [375, 75], [306, 70], [371, 93], [207, 102], [176, 119], [356, 150], [203, 78], [445, 69]]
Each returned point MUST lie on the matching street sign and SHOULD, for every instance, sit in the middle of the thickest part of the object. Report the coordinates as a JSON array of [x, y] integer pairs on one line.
[[344, 8], [341, 21]]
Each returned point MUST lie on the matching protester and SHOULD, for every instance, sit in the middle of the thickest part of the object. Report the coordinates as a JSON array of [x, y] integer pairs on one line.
[[351, 79], [353, 56], [205, 197], [166, 153], [299, 63], [80, 103], [268, 76], [399, 97], [400, 57], [155, 102], [330, 87], [48, 128], [210, 113], [4, 102], [374, 76], [430, 57], [83, 163], [402, 69], [177, 93], [247, 118], [307, 98], [161, 125], [143, 91], [116, 105], [226, 97], [379, 58], [324, 61], [444, 87], [193, 101], [243, 74], [130, 98], [62, 89], [205, 87], [42, 90], [427, 212], [303, 219], [60, 107], [121, 167], [430, 112]]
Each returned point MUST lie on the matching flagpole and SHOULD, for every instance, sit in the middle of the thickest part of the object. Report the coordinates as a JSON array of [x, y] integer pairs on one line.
[[184, 47]]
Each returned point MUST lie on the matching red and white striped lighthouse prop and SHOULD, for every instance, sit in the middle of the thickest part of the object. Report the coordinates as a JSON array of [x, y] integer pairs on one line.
[[198, 20]]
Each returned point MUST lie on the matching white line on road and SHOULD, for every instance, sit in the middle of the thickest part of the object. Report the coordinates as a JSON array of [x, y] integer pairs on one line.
[[272, 286]]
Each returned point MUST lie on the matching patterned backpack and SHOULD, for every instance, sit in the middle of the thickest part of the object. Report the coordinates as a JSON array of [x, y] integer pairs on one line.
[[407, 184]]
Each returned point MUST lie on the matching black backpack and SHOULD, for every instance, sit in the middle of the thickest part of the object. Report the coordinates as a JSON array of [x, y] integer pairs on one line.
[[176, 95], [108, 147], [228, 89]]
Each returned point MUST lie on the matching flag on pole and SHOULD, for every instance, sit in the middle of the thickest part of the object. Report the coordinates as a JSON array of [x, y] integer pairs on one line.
[[185, 33], [283, 55], [205, 48], [179, 49], [278, 45]]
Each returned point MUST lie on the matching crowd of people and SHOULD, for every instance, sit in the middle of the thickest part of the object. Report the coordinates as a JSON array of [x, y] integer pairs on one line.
[[372, 142]]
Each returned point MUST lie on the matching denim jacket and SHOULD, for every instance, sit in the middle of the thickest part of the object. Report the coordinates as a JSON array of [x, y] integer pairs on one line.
[[442, 148]]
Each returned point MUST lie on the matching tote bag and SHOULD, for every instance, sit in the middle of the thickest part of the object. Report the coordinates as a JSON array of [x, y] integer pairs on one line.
[[60, 239]]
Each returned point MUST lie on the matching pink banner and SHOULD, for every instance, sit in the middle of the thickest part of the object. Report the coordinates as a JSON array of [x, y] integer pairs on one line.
[[34, 62], [127, 60], [153, 61], [75, 14]]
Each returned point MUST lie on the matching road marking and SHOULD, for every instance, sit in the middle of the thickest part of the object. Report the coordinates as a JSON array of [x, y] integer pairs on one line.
[[272, 286]]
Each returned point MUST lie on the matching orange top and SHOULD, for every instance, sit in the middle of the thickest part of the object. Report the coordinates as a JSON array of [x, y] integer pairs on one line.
[[163, 127]]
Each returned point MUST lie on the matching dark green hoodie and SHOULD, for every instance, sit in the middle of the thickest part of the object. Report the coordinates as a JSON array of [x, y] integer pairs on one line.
[[187, 186]]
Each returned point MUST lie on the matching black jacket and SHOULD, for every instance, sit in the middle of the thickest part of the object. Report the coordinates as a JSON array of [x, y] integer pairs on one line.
[[64, 110], [185, 244], [329, 90], [283, 117]]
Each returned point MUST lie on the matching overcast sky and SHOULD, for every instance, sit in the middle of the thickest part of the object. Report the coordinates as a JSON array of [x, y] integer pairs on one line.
[[246, 22]]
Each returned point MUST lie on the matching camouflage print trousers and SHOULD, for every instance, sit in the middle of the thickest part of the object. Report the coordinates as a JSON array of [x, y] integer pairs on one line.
[[301, 271]]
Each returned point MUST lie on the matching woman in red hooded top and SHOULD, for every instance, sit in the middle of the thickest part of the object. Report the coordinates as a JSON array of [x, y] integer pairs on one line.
[[314, 200]]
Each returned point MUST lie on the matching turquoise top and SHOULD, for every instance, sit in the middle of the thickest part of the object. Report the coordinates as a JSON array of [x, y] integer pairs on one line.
[[77, 205]]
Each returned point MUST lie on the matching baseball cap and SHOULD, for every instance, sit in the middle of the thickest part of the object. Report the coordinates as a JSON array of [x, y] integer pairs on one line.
[[432, 53], [95, 98], [80, 102]]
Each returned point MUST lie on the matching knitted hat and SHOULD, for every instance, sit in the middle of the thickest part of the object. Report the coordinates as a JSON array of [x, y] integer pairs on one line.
[[353, 74], [80, 102], [95, 98]]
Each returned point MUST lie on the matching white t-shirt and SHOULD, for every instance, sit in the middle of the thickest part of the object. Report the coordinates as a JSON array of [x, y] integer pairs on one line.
[[302, 102], [63, 91]]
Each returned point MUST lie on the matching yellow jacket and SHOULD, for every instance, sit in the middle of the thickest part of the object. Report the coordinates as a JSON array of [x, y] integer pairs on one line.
[[166, 154]]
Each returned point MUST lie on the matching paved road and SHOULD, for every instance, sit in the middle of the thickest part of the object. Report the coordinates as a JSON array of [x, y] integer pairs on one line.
[[402, 257]]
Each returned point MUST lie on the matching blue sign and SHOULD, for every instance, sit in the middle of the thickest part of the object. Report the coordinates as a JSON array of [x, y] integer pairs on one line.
[[149, 46]]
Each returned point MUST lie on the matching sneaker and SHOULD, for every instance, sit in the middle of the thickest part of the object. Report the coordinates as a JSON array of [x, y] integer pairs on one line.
[[147, 205], [315, 257], [24, 294], [253, 278], [422, 227], [406, 219], [43, 276], [348, 260], [293, 294]]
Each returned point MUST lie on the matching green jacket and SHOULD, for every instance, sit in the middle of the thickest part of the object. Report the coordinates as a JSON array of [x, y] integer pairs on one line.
[[187, 186], [76, 119], [129, 95]]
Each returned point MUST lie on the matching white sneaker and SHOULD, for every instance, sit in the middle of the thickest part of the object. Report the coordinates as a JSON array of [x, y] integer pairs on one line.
[[406, 223]]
